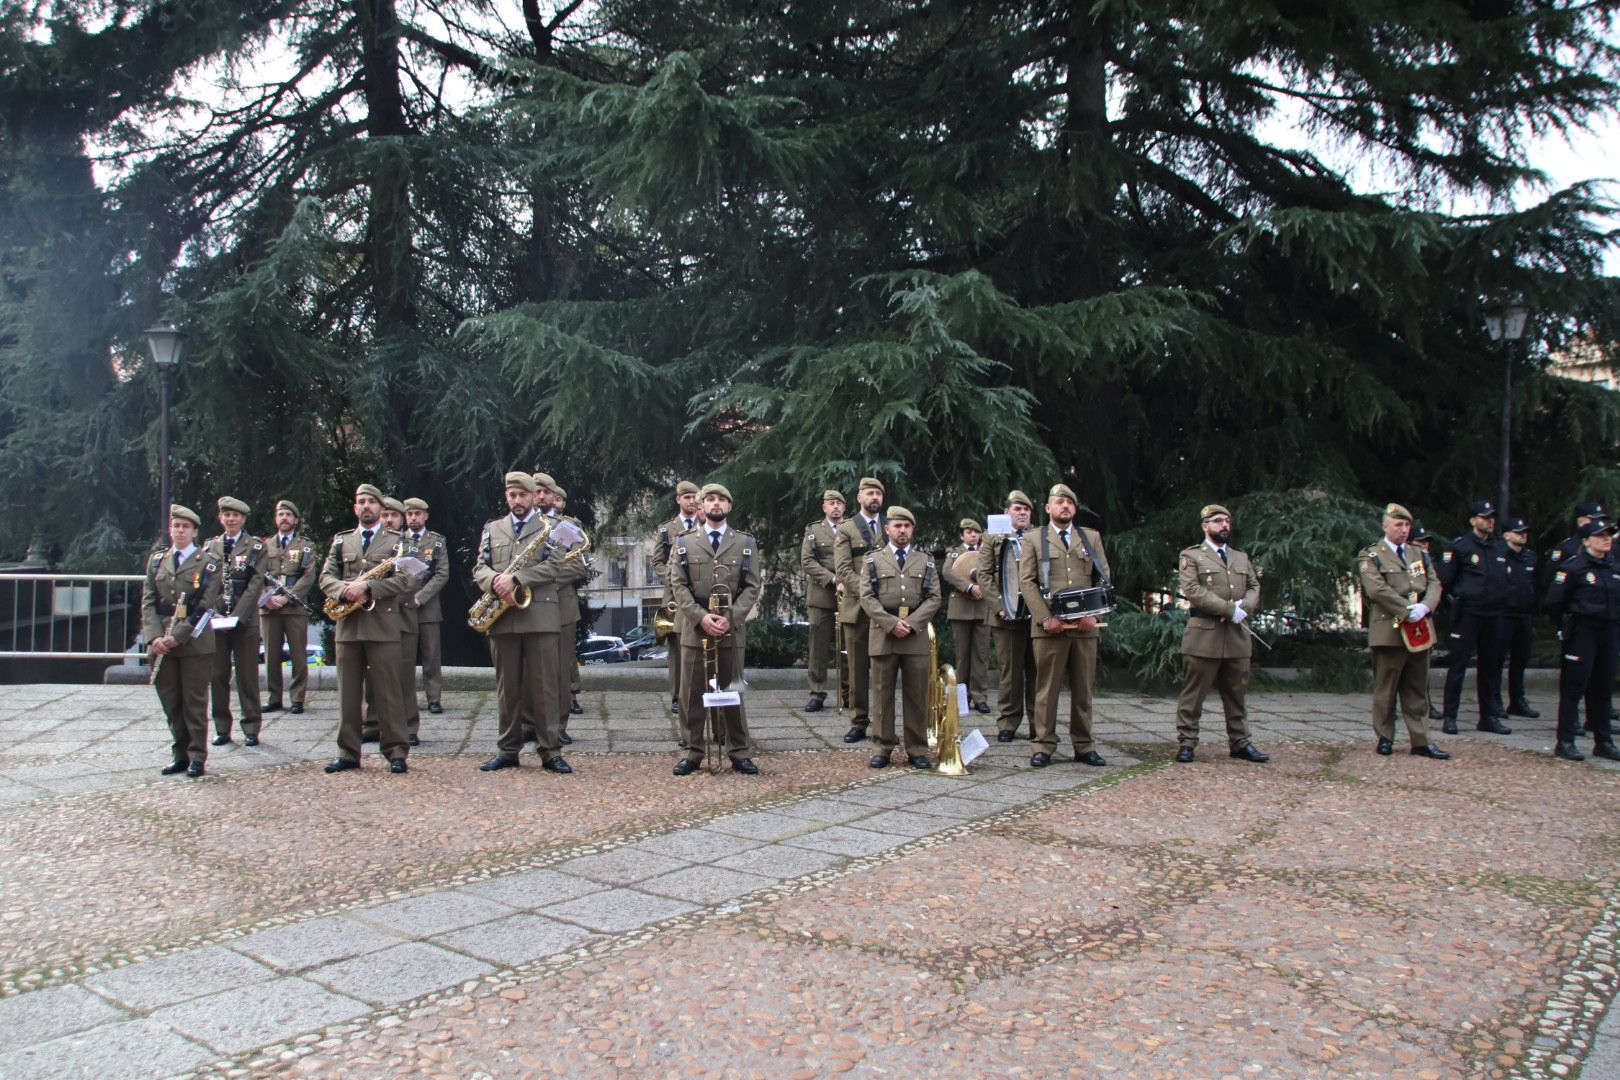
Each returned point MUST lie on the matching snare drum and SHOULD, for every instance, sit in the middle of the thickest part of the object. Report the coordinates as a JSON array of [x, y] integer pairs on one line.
[[1072, 604]]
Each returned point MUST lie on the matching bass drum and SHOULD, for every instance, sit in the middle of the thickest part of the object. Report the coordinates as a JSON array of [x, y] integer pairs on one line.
[[1012, 600]]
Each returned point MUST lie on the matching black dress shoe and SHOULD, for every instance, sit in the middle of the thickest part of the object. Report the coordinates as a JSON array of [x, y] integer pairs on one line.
[[1184, 755], [1522, 708], [341, 764], [1247, 752], [297, 707], [1430, 751], [574, 707], [1006, 736], [1040, 759], [1386, 746], [1494, 726], [370, 736], [195, 769], [223, 740], [435, 708], [855, 735], [172, 768], [557, 765], [675, 706], [1448, 725], [983, 707], [685, 767], [1092, 758], [813, 705], [1435, 714], [879, 761], [1568, 751], [413, 740], [251, 740], [397, 765], [499, 761], [273, 707], [919, 761], [565, 738], [1606, 750], [745, 766]]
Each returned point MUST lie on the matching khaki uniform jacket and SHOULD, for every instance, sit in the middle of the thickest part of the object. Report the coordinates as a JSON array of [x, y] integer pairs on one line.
[[435, 551], [695, 567], [239, 580], [576, 573], [163, 588], [544, 575], [1389, 587], [1214, 588], [344, 563], [961, 605], [885, 589], [296, 567], [816, 560], [1071, 569], [851, 545], [663, 544], [990, 571]]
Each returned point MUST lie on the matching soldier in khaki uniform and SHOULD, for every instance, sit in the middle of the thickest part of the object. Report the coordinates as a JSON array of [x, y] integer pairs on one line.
[[1219, 582], [713, 554], [524, 642], [367, 641], [290, 559], [433, 549], [393, 519], [1401, 586], [1062, 556], [686, 499], [821, 593], [240, 558], [899, 590], [181, 585], [853, 540], [549, 499], [1015, 692], [572, 664], [966, 610]]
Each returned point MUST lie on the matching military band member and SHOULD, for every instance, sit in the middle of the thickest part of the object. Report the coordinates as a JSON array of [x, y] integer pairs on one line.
[[821, 594], [573, 666], [549, 498], [1062, 556], [1219, 582], [393, 519], [853, 540], [686, 501], [966, 610], [1584, 598], [433, 549], [367, 640], [900, 593], [1015, 692], [290, 558], [524, 642], [1474, 573], [240, 557], [1519, 614], [1401, 586], [713, 554], [182, 584]]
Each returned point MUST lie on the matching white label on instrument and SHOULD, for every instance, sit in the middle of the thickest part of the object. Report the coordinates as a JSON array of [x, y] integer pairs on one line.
[[716, 699], [972, 745], [962, 699], [999, 523], [226, 622]]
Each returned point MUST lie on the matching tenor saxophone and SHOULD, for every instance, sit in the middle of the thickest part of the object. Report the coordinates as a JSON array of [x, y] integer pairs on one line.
[[490, 607], [337, 609]]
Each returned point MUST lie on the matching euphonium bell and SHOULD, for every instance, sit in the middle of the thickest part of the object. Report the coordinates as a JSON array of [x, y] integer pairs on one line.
[[664, 621]]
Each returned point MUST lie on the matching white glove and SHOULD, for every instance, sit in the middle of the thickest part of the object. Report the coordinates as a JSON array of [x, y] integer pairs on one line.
[[1417, 612], [1238, 614]]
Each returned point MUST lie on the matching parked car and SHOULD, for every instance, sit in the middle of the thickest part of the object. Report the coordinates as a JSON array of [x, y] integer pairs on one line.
[[598, 649], [312, 652], [640, 639]]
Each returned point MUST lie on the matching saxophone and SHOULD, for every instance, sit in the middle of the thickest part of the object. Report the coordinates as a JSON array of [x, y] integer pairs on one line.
[[490, 607], [337, 609]]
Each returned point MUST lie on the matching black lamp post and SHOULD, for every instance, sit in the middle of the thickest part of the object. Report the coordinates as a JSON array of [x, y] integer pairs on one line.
[[166, 342], [1505, 322]]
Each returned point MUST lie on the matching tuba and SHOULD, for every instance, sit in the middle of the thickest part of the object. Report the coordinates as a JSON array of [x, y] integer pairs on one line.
[[950, 725], [490, 607], [337, 609], [936, 690]]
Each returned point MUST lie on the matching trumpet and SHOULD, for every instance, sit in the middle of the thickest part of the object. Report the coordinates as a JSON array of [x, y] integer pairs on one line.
[[719, 604], [337, 609], [489, 607]]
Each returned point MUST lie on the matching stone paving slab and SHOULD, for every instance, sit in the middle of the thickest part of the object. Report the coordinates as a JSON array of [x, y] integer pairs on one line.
[[253, 1016], [706, 884], [304, 945], [128, 1049], [516, 939], [535, 888], [433, 914], [180, 977], [618, 910], [50, 1013], [398, 974]]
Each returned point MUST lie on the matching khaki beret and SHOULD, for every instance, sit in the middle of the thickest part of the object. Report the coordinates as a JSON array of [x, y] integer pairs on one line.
[[686, 487], [1018, 498], [228, 503], [414, 503], [287, 504], [715, 489], [831, 494], [391, 503], [1396, 510], [1063, 491], [872, 482], [1211, 510], [900, 512], [558, 488], [544, 480], [178, 511], [969, 523], [515, 479], [369, 489]]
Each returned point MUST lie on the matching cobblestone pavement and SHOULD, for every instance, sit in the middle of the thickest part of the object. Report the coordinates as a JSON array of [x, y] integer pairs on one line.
[[1330, 913]]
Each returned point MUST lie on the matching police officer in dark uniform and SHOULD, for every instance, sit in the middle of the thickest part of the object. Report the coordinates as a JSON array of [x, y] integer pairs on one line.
[[1519, 613], [1474, 571], [1585, 598], [1568, 547]]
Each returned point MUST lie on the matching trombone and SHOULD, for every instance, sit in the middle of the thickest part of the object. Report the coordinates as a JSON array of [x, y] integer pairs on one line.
[[714, 721], [841, 654]]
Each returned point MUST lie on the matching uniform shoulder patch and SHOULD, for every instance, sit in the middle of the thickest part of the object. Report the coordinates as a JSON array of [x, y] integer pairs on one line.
[[1446, 557], [1558, 553], [1560, 576]]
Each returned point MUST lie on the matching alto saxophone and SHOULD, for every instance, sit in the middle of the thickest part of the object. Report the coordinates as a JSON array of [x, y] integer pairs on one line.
[[490, 607], [337, 609]]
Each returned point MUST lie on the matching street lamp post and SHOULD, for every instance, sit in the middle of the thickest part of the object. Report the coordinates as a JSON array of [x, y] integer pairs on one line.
[[166, 342], [1505, 322]]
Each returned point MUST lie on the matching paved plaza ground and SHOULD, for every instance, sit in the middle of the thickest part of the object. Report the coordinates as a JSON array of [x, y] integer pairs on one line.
[[1332, 913]]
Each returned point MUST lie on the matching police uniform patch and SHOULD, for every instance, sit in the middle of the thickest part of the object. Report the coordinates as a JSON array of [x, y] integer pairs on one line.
[[1474, 559], [1557, 554], [1446, 557], [1591, 578], [1560, 576]]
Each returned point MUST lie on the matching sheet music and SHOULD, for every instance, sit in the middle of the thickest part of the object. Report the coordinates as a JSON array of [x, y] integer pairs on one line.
[[972, 745]]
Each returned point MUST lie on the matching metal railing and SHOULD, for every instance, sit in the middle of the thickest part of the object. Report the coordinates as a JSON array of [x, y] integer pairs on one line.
[[69, 616]]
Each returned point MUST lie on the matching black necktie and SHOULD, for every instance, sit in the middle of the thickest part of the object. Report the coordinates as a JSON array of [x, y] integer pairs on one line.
[[177, 560], [1400, 552], [1222, 553], [230, 542], [517, 527], [416, 538], [900, 557], [1064, 535], [284, 539], [686, 523], [365, 540], [714, 538]]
